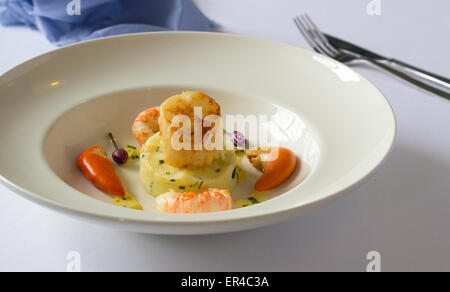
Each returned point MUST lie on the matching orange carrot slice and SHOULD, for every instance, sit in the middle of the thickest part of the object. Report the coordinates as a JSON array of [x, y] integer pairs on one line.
[[99, 170], [277, 170]]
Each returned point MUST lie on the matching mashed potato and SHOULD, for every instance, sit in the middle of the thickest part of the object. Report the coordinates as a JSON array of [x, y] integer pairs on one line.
[[159, 177]]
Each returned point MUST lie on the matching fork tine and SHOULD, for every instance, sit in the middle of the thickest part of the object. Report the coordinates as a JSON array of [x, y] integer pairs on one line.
[[320, 35], [316, 38], [306, 34], [312, 38]]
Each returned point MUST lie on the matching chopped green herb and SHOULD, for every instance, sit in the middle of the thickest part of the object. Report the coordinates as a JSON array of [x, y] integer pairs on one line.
[[161, 162], [124, 199], [218, 170], [200, 185], [182, 187], [172, 180], [157, 149], [246, 205], [168, 172], [132, 147], [253, 200], [234, 173]]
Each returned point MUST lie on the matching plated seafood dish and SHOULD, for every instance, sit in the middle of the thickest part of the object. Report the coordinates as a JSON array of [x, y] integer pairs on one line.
[[79, 145], [187, 161]]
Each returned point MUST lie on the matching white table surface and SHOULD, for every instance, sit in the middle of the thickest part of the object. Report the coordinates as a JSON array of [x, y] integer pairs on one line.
[[403, 211]]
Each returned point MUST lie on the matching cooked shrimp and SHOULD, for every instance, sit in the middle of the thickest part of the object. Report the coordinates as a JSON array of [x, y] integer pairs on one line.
[[146, 124], [213, 200], [184, 105]]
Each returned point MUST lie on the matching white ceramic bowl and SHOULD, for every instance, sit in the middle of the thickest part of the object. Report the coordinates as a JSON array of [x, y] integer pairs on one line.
[[54, 106]]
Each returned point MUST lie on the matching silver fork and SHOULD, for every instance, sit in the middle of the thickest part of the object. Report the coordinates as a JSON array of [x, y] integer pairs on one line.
[[320, 44]]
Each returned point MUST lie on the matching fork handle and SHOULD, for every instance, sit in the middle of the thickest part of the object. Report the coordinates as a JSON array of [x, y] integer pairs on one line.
[[416, 81], [420, 73]]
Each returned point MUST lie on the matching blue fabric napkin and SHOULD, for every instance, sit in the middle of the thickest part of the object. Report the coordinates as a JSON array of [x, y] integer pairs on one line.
[[67, 21]]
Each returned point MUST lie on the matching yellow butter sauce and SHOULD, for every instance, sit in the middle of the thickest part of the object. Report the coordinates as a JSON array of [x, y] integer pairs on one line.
[[239, 155], [255, 198], [133, 153], [240, 175], [127, 202]]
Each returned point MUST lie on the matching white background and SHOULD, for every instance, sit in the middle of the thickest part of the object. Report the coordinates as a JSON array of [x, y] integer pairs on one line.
[[403, 211]]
